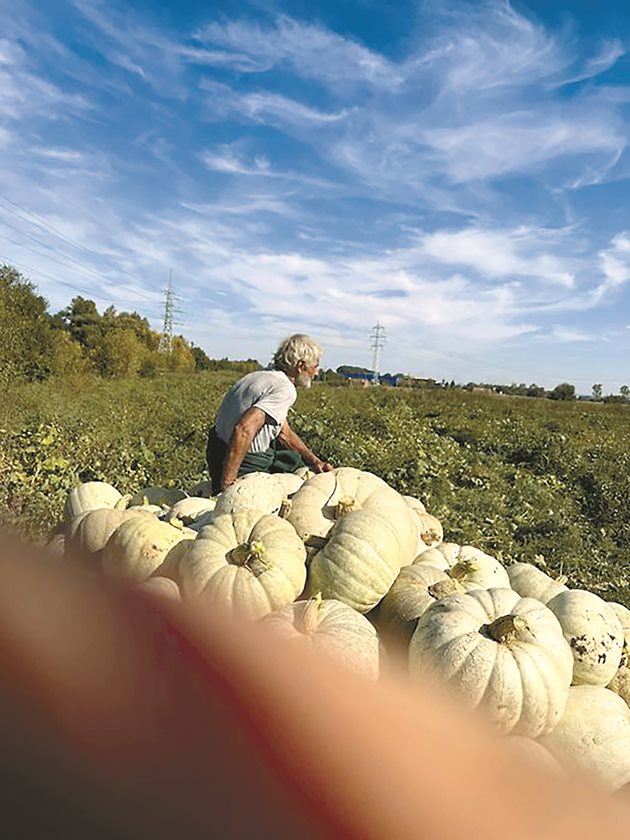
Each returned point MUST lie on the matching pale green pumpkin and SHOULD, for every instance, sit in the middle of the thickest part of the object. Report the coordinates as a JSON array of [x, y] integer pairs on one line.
[[359, 562]]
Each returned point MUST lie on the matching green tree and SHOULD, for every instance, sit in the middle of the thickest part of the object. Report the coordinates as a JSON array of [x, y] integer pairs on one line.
[[120, 354], [202, 362], [624, 391], [82, 320], [564, 391], [181, 359], [597, 391], [67, 357], [536, 390], [25, 327]]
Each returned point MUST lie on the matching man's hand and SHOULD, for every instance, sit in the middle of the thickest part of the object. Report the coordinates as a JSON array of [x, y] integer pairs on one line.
[[320, 466]]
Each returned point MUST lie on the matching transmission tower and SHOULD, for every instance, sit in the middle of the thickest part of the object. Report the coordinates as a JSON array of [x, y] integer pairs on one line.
[[377, 343], [166, 339]]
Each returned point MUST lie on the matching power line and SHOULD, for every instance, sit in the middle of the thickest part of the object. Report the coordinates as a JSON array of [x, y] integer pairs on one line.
[[36, 272], [46, 226]]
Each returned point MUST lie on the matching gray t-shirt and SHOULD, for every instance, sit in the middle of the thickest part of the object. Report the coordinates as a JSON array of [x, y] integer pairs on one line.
[[270, 390]]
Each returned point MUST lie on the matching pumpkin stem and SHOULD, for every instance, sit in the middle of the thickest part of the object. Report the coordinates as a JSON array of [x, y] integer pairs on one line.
[[430, 536], [285, 508], [250, 556], [310, 617], [506, 627], [123, 502], [443, 588], [346, 504], [462, 569]]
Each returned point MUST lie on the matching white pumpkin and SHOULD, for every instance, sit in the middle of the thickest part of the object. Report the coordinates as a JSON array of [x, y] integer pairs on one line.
[[531, 582], [88, 533], [430, 531], [250, 562], [623, 614], [593, 735], [412, 593], [189, 510], [161, 496], [323, 501], [473, 568], [263, 492], [500, 652], [359, 562], [90, 495], [593, 632], [620, 683], [139, 546], [332, 627]]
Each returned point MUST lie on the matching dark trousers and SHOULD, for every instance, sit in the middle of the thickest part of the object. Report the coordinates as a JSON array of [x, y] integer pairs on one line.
[[273, 460]]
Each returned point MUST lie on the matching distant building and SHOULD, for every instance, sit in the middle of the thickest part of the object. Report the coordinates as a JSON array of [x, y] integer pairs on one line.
[[367, 376]]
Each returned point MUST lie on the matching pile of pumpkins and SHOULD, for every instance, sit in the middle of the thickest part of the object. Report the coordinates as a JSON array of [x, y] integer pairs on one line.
[[344, 560]]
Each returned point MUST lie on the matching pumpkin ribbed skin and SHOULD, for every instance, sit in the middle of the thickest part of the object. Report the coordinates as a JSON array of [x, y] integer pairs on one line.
[[472, 567], [139, 546], [531, 582], [248, 561], [189, 510], [593, 735], [332, 627], [90, 495], [430, 531], [325, 500], [262, 492], [359, 562], [501, 652], [623, 614], [411, 594], [88, 533], [593, 632]]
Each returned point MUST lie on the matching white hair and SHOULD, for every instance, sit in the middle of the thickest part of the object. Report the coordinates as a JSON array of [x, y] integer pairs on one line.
[[296, 348]]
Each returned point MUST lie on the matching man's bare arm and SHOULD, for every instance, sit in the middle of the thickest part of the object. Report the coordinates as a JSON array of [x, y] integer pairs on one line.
[[291, 440], [244, 432]]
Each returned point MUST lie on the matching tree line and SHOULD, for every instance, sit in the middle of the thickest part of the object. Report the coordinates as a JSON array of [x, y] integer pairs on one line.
[[79, 340]]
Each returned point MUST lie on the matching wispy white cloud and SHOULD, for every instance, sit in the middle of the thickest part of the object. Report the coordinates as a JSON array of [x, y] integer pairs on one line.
[[609, 54], [503, 253], [566, 335], [310, 50]]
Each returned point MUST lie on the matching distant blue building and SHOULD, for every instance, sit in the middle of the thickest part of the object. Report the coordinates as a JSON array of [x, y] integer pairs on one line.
[[368, 375]]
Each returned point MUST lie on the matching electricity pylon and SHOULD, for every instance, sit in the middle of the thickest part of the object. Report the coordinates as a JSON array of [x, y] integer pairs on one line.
[[166, 339], [377, 344]]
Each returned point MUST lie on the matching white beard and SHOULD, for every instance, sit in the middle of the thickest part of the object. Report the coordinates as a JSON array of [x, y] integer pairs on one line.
[[303, 380]]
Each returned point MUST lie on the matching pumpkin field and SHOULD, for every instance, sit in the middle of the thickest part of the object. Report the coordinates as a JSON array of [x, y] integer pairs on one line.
[[522, 479], [471, 539]]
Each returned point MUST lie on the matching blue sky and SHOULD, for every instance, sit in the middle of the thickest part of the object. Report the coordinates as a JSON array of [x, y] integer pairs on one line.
[[457, 171]]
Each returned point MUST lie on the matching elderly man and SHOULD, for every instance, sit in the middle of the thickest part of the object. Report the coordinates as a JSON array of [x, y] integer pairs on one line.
[[252, 419]]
